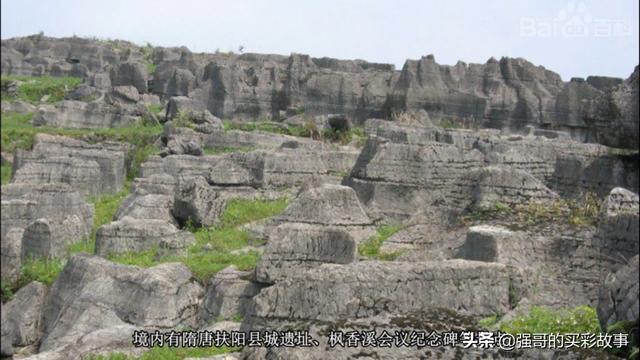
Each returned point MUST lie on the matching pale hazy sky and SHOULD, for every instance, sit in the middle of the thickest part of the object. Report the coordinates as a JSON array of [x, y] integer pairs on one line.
[[573, 38]]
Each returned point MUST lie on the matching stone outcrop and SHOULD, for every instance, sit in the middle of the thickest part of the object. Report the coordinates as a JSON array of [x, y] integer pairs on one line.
[[52, 215], [228, 295], [198, 203], [398, 180], [22, 317], [332, 292], [90, 168], [618, 300], [92, 294], [329, 205], [83, 115], [128, 234], [294, 247], [509, 93], [618, 226], [507, 186]]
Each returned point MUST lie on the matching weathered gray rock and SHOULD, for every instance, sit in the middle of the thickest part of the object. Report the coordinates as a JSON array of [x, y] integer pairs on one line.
[[130, 73], [496, 244], [127, 93], [51, 237], [333, 292], [47, 154], [11, 255], [129, 234], [294, 247], [18, 106], [618, 300], [509, 93], [83, 115], [228, 295], [618, 225], [92, 294], [148, 206], [329, 205], [496, 184], [83, 175], [57, 205], [184, 105], [22, 316], [197, 202], [398, 180]]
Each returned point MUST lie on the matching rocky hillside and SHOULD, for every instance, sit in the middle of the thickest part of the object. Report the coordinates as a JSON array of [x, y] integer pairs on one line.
[[500, 94], [344, 207]]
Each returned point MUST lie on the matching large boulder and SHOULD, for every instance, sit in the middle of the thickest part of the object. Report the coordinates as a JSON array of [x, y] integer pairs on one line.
[[618, 226], [294, 247], [333, 292], [398, 180], [130, 73], [128, 234], [198, 202], [82, 115], [92, 294], [228, 295], [52, 216], [83, 175], [11, 255], [329, 205], [90, 168], [618, 299], [22, 317], [497, 184]]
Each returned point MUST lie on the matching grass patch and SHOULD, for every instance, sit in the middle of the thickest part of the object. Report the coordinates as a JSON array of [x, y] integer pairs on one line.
[[243, 211], [155, 108], [581, 319], [575, 212], [105, 207], [151, 68], [447, 123], [18, 133], [43, 270], [219, 150], [214, 246], [489, 322], [6, 173], [32, 89], [308, 130], [371, 247]]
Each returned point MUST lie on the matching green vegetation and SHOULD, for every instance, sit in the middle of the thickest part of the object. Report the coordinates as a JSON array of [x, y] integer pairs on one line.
[[18, 133], [151, 68], [345, 137], [155, 108], [224, 150], [6, 173], [371, 247], [33, 89], [214, 248], [447, 123], [582, 319], [47, 270], [575, 212], [166, 353]]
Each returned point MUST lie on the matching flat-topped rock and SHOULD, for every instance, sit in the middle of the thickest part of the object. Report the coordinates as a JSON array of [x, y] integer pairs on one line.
[[91, 168], [129, 234], [295, 247]]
